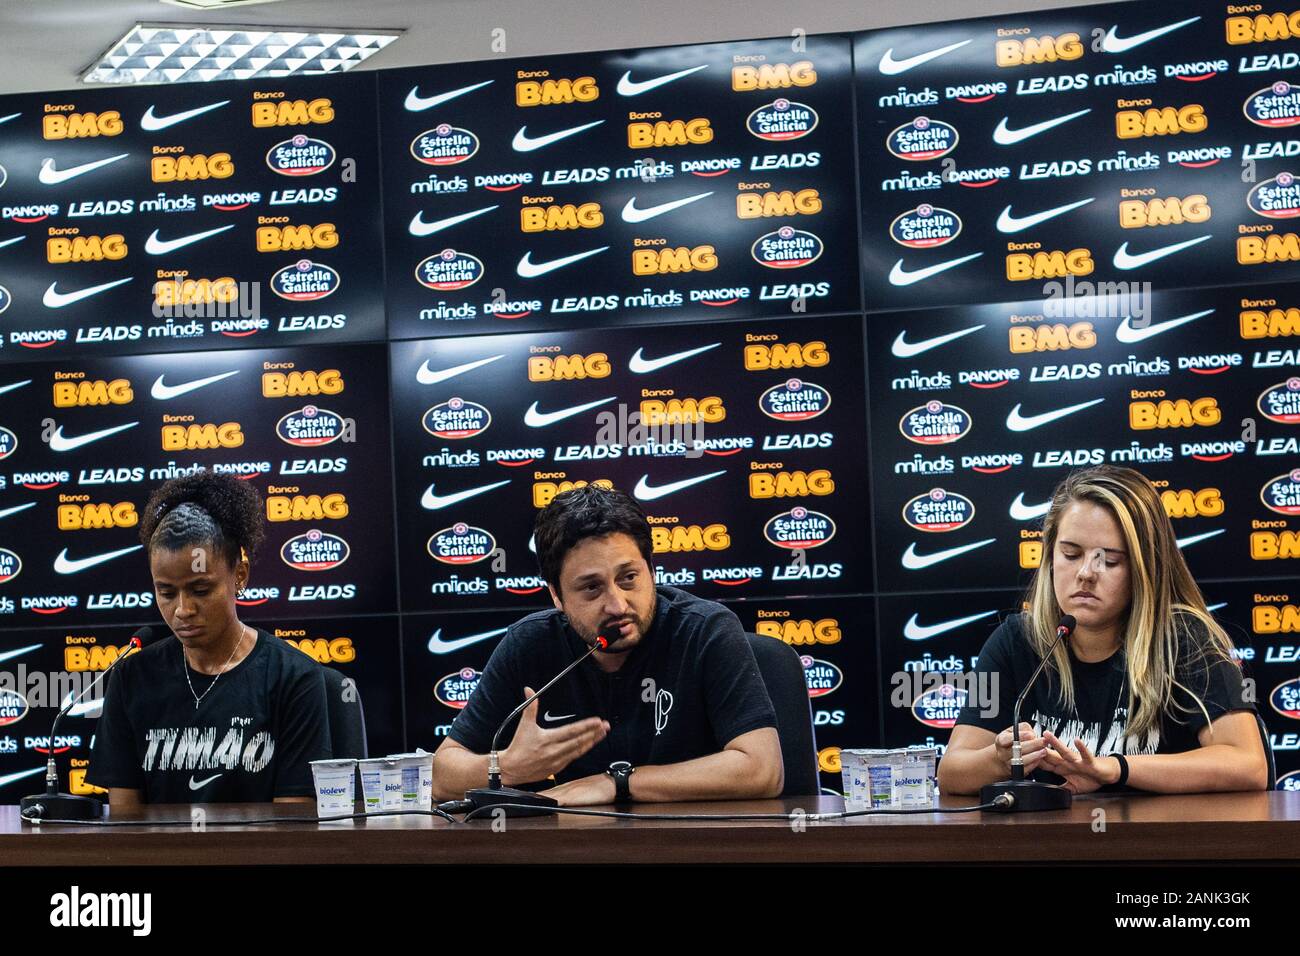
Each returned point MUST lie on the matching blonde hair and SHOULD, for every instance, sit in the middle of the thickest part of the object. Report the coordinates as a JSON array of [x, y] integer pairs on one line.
[[1158, 627]]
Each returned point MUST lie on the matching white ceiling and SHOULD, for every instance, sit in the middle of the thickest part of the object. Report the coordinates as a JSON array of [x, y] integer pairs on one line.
[[47, 44]]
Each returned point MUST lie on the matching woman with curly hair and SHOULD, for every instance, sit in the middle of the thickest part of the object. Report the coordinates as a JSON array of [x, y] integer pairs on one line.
[[219, 712]]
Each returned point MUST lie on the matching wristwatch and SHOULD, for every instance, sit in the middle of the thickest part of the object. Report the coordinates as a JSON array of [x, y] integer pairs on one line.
[[621, 771]]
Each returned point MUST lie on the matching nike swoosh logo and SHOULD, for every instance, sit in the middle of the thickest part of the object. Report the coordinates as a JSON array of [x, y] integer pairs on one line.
[[1126, 260], [900, 276], [920, 632], [641, 365], [6, 512], [1184, 542], [415, 103], [632, 214], [438, 646], [646, 492], [523, 143], [11, 116], [87, 708], [419, 227], [427, 376], [891, 67], [59, 443], [904, 349], [200, 784], [1215, 607], [1023, 423], [549, 716], [164, 392], [52, 177], [10, 655], [1114, 44], [916, 562], [152, 122], [160, 247], [20, 775], [535, 419], [65, 565], [531, 270], [1126, 333], [433, 502], [1023, 512], [10, 242], [629, 87], [53, 299], [12, 385], [1010, 223], [1004, 136]]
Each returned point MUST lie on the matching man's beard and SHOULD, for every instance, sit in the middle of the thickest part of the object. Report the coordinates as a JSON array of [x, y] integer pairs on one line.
[[618, 644]]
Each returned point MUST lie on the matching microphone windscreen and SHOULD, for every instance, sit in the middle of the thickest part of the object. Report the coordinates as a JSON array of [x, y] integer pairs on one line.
[[1067, 623], [145, 634]]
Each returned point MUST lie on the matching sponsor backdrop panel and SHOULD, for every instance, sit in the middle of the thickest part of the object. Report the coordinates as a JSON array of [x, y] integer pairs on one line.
[[690, 183], [1123, 142], [174, 218]]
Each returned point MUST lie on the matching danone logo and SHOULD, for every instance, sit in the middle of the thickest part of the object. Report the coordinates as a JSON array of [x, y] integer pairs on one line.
[[1282, 494], [781, 120], [300, 156], [305, 281], [1276, 198], [314, 551], [786, 248], [13, 707], [8, 443], [456, 418], [461, 544], [444, 145], [449, 270], [794, 401], [1285, 698], [935, 423], [454, 689], [822, 677], [1274, 106], [1281, 402], [938, 510], [310, 426], [925, 227], [799, 528], [10, 565], [5, 299], [939, 707], [922, 139]]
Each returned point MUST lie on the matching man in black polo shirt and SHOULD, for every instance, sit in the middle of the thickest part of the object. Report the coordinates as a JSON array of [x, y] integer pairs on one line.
[[674, 709]]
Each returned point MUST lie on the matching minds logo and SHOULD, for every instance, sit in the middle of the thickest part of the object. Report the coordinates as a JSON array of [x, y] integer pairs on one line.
[[454, 689], [310, 426], [8, 443], [1285, 698], [314, 551], [1282, 494], [786, 248], [925, 227], [935, 423], [449, 270], [1276, 198], [822, 677], [1275, 106], [10, 565], [922, 139], [444, 145], [781, 121], [1281, 402], [939, 707], [794, 401], [305, 281], [461, 544], [300, 156], [799, 528], [938, 511], [13, 707], [456, 418]]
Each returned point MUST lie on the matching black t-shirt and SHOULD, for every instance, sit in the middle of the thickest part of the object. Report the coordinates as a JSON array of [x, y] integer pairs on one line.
[[250, 740], [1100, 715], [686, 690]]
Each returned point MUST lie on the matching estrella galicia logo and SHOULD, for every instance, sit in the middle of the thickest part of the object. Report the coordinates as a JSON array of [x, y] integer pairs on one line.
[[822, 677], [786, 248], [13, 707], [444, 145], [922, 139], [794, 400], [310, 426], [5, 299], [8, 443], [1281, 402], [314, 550], [939, 707], [461, 544], [449, 270], [1289, 781], [938, 510], [454, 689], [935, 423], [300, 156], [781, 121], [1282, 494], [1276, 198], [305, 281], [10, 565], [799, 528], [1274, 106], [456, 418], [925, 227], [1285, 698]]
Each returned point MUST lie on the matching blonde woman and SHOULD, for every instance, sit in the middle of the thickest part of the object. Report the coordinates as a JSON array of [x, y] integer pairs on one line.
[[1144, 694]]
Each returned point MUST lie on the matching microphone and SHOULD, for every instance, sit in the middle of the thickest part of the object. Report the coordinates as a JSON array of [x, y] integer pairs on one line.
[[67, 806], [1019, 794], [494, 793]]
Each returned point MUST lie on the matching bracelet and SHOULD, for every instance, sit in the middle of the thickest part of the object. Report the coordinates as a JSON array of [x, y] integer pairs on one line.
[[1123, 769]]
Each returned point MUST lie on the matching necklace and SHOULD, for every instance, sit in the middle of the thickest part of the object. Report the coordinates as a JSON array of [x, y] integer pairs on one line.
[[198, 698]]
